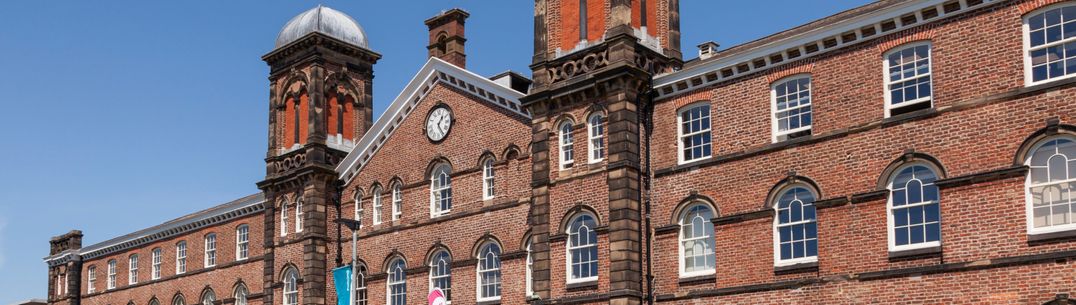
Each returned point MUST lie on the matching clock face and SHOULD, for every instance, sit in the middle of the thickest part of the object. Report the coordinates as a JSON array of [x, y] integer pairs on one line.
[[438, 123]]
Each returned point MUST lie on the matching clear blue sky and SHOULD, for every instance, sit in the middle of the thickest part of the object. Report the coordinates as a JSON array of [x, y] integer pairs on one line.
[[118, 115]]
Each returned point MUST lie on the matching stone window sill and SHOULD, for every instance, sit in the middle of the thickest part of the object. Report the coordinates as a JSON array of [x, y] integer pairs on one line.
[[796, 268], [588, 285], [698, 279], [915, 253]]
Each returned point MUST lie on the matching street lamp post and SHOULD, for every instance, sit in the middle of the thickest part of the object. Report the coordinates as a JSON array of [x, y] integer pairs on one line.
[[354, 226]]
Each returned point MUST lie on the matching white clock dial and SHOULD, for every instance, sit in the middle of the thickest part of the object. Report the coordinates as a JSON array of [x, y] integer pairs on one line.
[[438, 123]]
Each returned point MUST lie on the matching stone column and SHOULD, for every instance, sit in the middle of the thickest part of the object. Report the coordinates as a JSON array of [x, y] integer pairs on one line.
[[538, 216]]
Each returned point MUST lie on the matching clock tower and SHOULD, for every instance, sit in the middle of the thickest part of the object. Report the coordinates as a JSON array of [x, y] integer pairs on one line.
[[320, 103], [595, 59]]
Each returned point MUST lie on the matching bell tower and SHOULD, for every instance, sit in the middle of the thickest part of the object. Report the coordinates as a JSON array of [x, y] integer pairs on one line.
[[320, 104], [595, 59]]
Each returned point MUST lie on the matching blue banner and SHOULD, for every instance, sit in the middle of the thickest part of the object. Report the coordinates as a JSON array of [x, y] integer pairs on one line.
[[342, 280]]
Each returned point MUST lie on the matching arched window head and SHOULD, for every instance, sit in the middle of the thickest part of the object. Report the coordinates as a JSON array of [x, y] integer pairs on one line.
[[1048, 37], [567, 154], [360, 285], [489, 272], [441, 190], [291, 286], [582, 249], [358, 207], [397, 201], [795, 227], [914, 210], [488, 184], [377, 204], [178, 300], [696, 240], [441, 273], [396, 288], [1051, 185], [208, 297], [596, 137], [240, 294], [154, 301]]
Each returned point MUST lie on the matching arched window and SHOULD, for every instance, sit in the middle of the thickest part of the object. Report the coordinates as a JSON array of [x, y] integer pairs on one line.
[[489, 272], [1050, 35], [1051, 185], [210, 256], [440, 190], [914, 213], [132, 269], [358, 207], [487, 179], [111, 274], [360, 285], [154, 301], [242, 242], [397, 283], [291, 286], [908, 73], [91, 279], [694, 132], [284, 218], [529, 273], [795, 227], [377, 204], [397, 201], [441, 273], [567, 156], [696, 241], [155, 269], [208, 297], [596, 135], [241, 294], [582, 249], [178, 300], [299, 215], [181, 257], [791, 107]]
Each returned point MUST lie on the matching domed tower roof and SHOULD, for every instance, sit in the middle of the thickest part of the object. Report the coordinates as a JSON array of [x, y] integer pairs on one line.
[[323, 20]]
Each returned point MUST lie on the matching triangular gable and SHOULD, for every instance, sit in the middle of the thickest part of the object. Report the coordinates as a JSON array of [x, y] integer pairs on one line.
[[433, 72]]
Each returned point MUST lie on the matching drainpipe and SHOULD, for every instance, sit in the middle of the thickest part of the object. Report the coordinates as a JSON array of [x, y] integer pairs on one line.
[[646, 116]]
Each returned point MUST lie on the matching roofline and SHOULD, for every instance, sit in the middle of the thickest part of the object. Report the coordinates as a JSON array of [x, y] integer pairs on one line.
[[419, 85], [777, 44]]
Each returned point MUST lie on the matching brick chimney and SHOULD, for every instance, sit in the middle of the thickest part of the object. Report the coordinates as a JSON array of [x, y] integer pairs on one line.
[[69, 241], [447, 36]]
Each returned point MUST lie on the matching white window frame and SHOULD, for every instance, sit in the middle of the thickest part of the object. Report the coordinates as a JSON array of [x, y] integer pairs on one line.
[[132, 269], [529, 272], [596, 138], [436, 187], [680, 241], [358, 208], [891, 229], [777, 261], [284, 218], [1029, 78], [155, 269], [488, 182], [568, 250], [111, 275], [680, 131], [241, 294], [360, 278], [291, 287], [179, 300], [1029, 200], [774, 121], [479, 272], [566, 144], [888, 82], [181, 257], [434, 261], [208, 297], [397, 201], [298, 215], [210, 253], [242, 242], [377, 204], [390, 282], [91, 279]]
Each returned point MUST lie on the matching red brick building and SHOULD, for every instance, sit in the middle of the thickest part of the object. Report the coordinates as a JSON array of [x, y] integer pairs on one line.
[[914, 151]]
